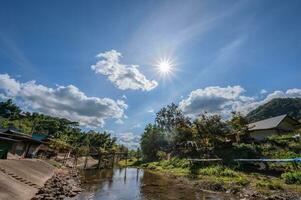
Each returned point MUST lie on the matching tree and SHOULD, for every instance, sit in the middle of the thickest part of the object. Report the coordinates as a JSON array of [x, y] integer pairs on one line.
[[169, 117], [174, 123], [210, 127], [152, 141], [239, 125], [9, 110]]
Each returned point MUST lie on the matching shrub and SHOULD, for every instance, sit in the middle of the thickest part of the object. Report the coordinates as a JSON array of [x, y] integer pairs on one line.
[[292, 177], [272, 185], [284, 154], [246, 151], [218, 171], [175, 162], [161, 155]]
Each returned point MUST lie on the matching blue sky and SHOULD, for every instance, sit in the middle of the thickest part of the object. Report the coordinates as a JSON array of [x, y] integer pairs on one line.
[[226, 55]]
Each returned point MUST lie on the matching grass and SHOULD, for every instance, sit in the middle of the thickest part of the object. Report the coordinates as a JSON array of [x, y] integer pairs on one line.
[[227, 177], [292, 177], [269, 184]]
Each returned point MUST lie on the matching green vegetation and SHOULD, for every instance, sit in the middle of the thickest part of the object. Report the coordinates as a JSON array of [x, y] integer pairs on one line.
[[280, 106], [64, 135], [292, 177], [269, 184], [173, 138]]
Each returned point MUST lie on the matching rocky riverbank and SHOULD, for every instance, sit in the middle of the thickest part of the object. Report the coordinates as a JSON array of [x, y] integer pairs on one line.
[[242, 193], [64, 183]]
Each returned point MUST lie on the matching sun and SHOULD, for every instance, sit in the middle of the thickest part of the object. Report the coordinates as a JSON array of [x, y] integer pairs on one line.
[[164, 66]]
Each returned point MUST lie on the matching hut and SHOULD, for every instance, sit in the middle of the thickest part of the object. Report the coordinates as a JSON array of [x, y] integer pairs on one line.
[[278, 125]]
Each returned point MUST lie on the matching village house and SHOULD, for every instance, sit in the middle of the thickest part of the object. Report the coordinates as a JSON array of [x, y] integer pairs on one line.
[[20, 144], [273, 126]]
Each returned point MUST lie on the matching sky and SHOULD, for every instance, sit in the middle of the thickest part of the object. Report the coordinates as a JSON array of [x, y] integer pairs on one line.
[[111, 65]]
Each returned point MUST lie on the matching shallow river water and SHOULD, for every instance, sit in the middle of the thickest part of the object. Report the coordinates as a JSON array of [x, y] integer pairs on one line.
[[137, 184]]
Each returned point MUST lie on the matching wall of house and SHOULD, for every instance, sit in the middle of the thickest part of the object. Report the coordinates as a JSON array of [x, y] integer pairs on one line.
[[286, 125], [19, 149], [262, 134]]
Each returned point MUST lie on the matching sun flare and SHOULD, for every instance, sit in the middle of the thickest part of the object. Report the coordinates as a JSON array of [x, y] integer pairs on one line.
[[164, 66]]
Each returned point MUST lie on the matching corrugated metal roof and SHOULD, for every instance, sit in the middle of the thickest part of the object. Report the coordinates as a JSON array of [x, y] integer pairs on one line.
[[267, 123]]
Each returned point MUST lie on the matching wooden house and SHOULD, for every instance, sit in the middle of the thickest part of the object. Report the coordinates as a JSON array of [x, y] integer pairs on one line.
[[278, 125]]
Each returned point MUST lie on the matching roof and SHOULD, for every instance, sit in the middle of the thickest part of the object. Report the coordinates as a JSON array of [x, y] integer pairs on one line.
[[269, 123], [19, 137]]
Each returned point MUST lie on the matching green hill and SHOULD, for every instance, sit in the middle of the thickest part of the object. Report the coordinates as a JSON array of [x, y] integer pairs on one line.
[[275, 107]]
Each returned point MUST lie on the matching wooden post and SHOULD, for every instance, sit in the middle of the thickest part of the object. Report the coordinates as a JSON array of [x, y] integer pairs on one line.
[[99, 158], [113, 160], [86, 160], [75, 160]]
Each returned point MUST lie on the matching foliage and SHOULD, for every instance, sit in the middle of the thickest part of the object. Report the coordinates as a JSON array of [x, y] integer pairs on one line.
[[292, 177], [9, 110], [174, 124], [161, 155], [269, 184], [210, 127], [218, 171], [246, 151], [239, 126], [275, 107], [152, 141], [64, 134]]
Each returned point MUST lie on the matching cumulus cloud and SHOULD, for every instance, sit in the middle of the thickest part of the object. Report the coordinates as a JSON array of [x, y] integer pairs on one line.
[[263, 91], [64, 101], [151, 111], [121, 75], [129, 140], [119, 121], [210, 99], [136, 126], [224, 100], [10, 86]]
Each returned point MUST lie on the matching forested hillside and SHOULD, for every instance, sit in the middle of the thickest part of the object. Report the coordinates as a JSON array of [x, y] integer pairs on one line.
[[275, 107]]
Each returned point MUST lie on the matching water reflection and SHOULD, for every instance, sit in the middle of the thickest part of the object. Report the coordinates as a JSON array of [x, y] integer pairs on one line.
[[136, 184]]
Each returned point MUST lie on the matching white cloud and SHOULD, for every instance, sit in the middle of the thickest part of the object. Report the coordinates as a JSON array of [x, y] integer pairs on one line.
[[210, 99], [64, 101], [224, 100], [119, 121], [136, 126], [151, 111], [129, 140], [121, 75], [263, 91], [8, 84]]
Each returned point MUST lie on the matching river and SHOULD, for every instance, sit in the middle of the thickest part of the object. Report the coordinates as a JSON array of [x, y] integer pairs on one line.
[[137, 184]]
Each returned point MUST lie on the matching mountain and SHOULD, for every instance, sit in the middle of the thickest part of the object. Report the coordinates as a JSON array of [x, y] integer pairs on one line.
[[275, 107]]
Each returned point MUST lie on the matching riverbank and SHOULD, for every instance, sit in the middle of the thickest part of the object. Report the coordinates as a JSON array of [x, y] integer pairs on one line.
[[27, 179], [64, 183], [21, 179], [245, 185]]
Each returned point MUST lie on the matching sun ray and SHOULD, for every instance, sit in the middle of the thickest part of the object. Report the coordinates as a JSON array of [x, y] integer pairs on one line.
[[165, 66]]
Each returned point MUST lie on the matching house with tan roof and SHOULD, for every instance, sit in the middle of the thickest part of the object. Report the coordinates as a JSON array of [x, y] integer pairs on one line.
[[273, 126]]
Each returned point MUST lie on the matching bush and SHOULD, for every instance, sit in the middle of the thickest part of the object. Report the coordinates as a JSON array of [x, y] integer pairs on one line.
[[284, 154], [272, 185], [246, 151], [161, 155], [175, 162], [218, 171], [292, 177]]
